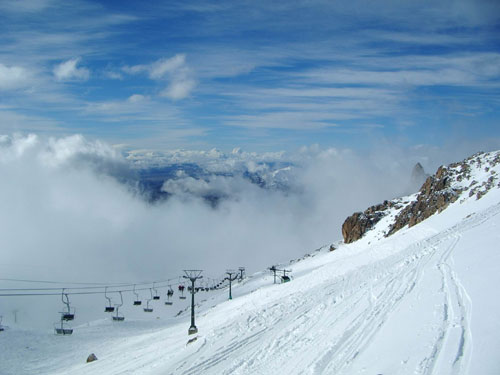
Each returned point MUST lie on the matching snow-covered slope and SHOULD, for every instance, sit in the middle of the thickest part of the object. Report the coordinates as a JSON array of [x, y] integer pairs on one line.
[[422, 301]]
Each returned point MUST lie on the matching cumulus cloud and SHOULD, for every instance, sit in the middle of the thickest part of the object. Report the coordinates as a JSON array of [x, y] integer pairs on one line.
[[12, 77], [69, 71]]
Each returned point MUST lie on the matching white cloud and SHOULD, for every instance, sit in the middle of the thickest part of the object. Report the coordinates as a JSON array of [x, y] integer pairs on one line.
[[179, 88], [135, 69], [68, 71], [113, 75], [172, 65], [174, 70], [136, 98], [12, 77]]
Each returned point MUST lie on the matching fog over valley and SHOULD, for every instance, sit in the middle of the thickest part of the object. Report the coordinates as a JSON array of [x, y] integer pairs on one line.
[[84, 211]]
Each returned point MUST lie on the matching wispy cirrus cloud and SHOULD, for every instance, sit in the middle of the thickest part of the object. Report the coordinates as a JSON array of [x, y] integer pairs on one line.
[[174, 70], [250, 69]]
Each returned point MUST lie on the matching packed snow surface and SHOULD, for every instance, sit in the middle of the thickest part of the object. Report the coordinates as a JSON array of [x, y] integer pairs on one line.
[[423, 301]]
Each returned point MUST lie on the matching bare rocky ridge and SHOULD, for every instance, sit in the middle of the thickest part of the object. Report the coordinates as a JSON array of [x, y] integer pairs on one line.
[[475, 175]]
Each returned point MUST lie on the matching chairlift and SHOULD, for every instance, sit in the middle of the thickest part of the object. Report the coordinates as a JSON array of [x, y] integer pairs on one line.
[[62, 329], [69, 314], [147, 308], [181, 289], [1, 327], [117, 317], [109, 308], [156, 296], [170, 293], [285, 279], [137, 301]]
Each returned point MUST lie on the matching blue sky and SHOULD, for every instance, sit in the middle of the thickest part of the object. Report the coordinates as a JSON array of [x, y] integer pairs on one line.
[[261, 75]]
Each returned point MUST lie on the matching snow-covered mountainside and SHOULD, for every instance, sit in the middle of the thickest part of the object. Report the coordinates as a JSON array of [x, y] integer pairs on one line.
[[421, 301]]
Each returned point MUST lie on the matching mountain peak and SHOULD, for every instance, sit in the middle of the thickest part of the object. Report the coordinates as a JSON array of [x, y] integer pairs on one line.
[[473, 177]]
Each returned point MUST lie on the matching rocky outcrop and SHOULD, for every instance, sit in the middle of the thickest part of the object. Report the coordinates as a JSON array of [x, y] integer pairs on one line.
[[356, 225], [434, 196], [471, 178]]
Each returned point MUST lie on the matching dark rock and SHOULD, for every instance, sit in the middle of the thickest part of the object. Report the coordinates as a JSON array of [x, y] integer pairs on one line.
[[91, 358], [356, 225], [434, 196], [436, 193]]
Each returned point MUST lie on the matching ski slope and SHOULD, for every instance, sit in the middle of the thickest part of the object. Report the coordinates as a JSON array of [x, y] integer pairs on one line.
[[423, 301]]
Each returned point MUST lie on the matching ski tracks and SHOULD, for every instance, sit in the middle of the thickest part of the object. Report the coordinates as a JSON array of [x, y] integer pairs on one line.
[[325, 329], [452, 350]]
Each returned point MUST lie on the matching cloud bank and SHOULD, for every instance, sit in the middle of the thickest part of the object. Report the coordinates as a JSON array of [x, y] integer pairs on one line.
[[67, 215]]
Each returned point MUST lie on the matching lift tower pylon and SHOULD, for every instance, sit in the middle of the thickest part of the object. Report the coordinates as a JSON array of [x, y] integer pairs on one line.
[[192, 275], [230, 277]]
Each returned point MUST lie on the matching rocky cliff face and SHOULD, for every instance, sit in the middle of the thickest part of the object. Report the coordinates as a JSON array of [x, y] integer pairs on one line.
[[471, 178], [360, 222]]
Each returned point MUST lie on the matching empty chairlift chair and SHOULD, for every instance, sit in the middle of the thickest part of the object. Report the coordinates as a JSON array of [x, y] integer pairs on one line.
[[109, 308], [147, 308], [118, 317], [1, 326], [137, 301], [61, 328], [69, 314], [156, 297]]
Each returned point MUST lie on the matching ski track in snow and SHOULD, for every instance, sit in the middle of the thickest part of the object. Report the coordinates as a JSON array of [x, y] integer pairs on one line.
[[354, 309]]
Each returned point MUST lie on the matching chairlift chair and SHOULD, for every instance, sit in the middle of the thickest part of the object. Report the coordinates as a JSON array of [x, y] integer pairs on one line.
[[147, 308], [1, 327], [156, 296], [108, 309], [181, 289], [137, 301], [62, 329], [170, 293], [117, 317], [69, 314], [285, 279]]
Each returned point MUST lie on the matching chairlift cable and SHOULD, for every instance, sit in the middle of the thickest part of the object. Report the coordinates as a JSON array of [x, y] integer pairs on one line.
[[101, 286]]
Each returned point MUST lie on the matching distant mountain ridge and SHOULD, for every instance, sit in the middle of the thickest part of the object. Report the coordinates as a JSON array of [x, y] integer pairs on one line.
[[192, 179], [470, 179]]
